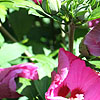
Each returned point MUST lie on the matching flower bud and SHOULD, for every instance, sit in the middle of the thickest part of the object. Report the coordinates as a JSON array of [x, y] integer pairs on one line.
[[51, 6]]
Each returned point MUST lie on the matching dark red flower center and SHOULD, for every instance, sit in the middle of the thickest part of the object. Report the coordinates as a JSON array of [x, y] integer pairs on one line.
[[76, 91], [64, 90]]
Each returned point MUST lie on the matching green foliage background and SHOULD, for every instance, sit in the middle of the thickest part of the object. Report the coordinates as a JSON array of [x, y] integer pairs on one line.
[[34, 30]]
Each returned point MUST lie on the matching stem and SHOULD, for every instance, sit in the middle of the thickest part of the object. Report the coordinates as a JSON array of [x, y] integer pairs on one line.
[[62, 27], [4, 31], [71, 36]]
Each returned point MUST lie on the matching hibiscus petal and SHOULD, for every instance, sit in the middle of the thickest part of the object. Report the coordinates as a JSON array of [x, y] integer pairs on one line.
[[8, 75], [36, 1], [93, 93], [94, 22], [80, 77], [92, 40], [64, 60], [57, 98], [78, 80], [29, 71], [57, 89]]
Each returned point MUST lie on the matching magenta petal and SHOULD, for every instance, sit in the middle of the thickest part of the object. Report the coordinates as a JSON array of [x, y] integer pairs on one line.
[[8, 75], [93, 93], [80, 77], [64, 60], [57, 90], [36, 1], [57, 98], [29, 71], [53, 74], [94, 22], [92, 41], [79, 80]]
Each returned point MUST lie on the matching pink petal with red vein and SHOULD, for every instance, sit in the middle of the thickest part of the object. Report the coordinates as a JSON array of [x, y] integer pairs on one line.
[[80, 77]]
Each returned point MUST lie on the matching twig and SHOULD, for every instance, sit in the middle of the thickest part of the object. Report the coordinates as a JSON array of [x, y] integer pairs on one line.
[[71, 36], [4, 31]]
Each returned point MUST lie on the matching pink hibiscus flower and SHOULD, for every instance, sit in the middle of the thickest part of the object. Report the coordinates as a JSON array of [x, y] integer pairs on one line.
[[94, 22], [38, 1], [8, 75], [92, 41], [73, 80]]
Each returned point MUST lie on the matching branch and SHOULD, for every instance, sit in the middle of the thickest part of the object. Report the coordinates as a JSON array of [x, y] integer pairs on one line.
[[71, 36], [4, 31]]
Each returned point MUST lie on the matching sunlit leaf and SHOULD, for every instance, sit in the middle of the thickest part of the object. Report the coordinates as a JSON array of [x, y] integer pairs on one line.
[[95, 14], [3, 13], [1, 39], [96, 63], [46, 65], [10, 52], [26, 87]]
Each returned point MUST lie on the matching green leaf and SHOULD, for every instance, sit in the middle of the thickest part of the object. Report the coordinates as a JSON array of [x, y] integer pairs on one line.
[[80, 1], [28, 4], [8, 4], [23, 98], [96, 63], [1, 40], [23, 24], [5, 65], [3, 13], [26, 87], [95, 14], [46, 65], [34, 12], [42, 86], [22, 83], [80, 13], [93, 2], [10, 52]]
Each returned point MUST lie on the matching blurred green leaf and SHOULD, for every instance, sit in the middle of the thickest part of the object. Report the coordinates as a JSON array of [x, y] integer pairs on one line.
[[1, 40], [21, 22], [5, 65], [27, 88], [8, 4], [34, 12], [80, 1], [96, 63], [93, 2], [80, 13], [4, 5], [3, 12], [46, 51], [95, 14], [22, 83], [10, 52], [28, 4], [42, 86], [23, 98], [46, 65]]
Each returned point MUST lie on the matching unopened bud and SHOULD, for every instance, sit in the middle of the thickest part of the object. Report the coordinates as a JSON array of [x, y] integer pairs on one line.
[[51, 6]]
